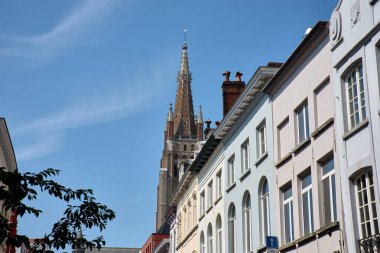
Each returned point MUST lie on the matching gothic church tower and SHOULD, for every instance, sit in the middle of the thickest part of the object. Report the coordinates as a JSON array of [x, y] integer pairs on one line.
[[182, 139]]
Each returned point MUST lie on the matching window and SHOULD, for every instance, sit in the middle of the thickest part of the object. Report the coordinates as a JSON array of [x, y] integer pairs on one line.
[[264, 199], [219, 184], [328, 192], [189, 219], [302, 117], [210, 197], [245, 156], [366, 205], [261, 140], [307, 205], [202, 204], [192, 147], [231, 229], [202, 243], [231, 170], [247, 219], [209, 239], [219, 237], [288, 214], [355, 97], [185, 221], [184, 147]]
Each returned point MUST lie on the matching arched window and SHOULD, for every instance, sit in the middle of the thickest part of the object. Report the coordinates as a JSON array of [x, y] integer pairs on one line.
[[209, 238], [189, 219], [184, 221], [184, 147], [231, 229], [247, 219], [219, 238], [202, 243], [192, 147], [264, 212]]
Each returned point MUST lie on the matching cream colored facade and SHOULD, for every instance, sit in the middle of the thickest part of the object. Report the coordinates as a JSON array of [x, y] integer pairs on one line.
[[308, 195]]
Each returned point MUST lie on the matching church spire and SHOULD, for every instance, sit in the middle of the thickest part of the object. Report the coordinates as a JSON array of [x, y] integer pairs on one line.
[[184, 121]]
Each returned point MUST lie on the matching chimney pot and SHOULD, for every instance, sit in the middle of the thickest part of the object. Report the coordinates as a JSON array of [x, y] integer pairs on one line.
[[208, 123], [217, 123], [227, 75], [238, 76]]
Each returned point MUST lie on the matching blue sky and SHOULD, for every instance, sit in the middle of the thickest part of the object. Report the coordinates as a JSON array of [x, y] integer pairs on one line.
[[86, 86]]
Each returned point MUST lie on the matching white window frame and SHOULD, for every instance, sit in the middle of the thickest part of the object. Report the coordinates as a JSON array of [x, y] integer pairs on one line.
[[265, 223], [219, 235], [210, 194], [356, 104], [232, 230], [195, 209], [219, 184], [245, 156], [209, 239], [202, 203], [303, 111], [231, 170], [330, 178], [261, 140], [189, 219], [371, 224], [202, 243], [307, 215], [289, 202], [247, 218]]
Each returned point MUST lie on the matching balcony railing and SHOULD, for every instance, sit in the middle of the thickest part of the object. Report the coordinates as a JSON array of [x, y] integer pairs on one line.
[[370, 244]]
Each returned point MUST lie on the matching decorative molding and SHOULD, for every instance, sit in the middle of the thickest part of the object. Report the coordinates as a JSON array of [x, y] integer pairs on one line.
[[355, 13], [335, 28]]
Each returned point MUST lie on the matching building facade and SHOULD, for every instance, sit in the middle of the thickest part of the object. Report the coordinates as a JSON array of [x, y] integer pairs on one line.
[[355, 52]]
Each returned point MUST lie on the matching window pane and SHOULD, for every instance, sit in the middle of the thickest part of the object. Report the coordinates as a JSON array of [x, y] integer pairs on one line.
[[334, 196], [287, 223], [306, 181], [305, 208], [287, 193], [326, 201]]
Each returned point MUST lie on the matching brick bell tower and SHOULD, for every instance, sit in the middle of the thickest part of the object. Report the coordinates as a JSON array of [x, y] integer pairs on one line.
[[183, 137]]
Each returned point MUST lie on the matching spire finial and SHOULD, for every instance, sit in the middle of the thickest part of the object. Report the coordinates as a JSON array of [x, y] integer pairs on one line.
[[170, 114]]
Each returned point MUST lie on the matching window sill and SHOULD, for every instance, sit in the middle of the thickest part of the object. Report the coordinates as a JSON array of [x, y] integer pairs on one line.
[[218, 199], [200, 218], [245, 174], [209, 209], [301, 146], [356, 129], [322, 128], [262, 158], [283, 160], [231, 187], [262, 248]]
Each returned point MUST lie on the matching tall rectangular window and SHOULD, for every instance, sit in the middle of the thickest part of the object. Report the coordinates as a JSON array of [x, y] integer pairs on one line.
[[366, 205], [219, 184], [231, 170], [355, 97], [302, 117], [202, 204], [261, 140], [328, 192], [210, 195], [245, 156], [307, 205], [288, 214]]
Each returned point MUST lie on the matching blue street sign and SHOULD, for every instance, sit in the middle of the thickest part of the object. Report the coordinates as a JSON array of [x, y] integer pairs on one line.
[[272, 242]]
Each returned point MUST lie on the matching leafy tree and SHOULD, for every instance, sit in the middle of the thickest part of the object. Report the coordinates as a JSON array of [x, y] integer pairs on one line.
[[82, 211]]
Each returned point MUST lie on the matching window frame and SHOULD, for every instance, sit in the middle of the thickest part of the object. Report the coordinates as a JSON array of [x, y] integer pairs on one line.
[[307, 191], [261, 131], [209, 239], [330, 178], [288, 201], [219, 184], [231, 170], [244, 150], [202, 205], [303, 110], [360, 97], [232, 229], [247, 226], [219, 234], [210, 195], [264, 201]]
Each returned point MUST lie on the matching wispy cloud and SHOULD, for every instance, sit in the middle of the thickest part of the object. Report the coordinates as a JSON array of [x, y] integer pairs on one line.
[[47, 133], [64, 34]]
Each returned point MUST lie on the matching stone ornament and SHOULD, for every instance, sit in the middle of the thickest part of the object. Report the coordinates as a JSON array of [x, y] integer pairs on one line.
[[355, 13], [335, 28]]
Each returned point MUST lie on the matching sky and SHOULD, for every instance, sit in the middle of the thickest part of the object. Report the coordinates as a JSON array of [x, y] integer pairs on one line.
[[85, 88]]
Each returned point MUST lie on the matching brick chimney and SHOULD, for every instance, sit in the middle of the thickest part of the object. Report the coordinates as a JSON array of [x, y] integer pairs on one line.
[[231, 90]]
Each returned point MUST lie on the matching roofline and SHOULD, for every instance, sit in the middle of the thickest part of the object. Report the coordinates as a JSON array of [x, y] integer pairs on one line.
[[317, 30], [9, 140]]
